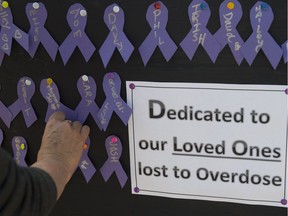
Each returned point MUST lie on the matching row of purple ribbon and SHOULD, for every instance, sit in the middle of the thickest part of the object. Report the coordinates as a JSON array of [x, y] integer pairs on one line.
[[261, 16]]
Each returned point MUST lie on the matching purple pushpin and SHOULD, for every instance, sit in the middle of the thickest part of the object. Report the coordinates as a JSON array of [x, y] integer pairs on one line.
[[77, 19], [199, 34], [157, 18], [136, 190], [261, 20], [230, 15], [19, 146], [85, 164], [87, 89], [113, 102], [114, 151], [132, 86], [284, 202], [114, 19], [9, 31], [285, 49], [50, 92], [25, 91], [37, 15]]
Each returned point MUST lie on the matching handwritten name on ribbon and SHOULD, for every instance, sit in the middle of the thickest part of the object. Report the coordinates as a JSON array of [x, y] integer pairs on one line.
[[113, 102], [85, 165], [230, 16], [50, 92], [114, 19], [77, 19], [158, 36], [9, 31], [261, 16], [285, 49], [114, 151], [25, 91], [199, 14], [87, 89], [37, 15], [19, 146]]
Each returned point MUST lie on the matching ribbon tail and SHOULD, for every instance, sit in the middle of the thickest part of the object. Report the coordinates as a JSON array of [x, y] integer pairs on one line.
[[93, 111], [22, 38], [272, 51], [5, 114], [168, 48], [107, 49], [221, 38], [1, 57], [5, 46], [126, 49], [123, 111], [211, 46], [121, 175], [86, 47], [29, 116], [248, 49], [106, 170], [86, 167], [147, 48], [81, 112], [49, 44], [235, 47], [104, 115], [69, 114], [285, 50], [33, 45], [189, 46], [67, 48], [15, 108]]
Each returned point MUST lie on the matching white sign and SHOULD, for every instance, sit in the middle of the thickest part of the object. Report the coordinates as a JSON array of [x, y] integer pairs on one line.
[[209, 141]]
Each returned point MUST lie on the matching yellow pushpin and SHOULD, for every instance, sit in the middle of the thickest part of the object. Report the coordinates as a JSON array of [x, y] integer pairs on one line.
[[230, 5], [5, 4], [49, 81], [85, 146], [22, 146]]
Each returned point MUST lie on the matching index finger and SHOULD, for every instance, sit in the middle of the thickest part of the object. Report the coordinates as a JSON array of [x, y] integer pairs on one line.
[[60, 116]]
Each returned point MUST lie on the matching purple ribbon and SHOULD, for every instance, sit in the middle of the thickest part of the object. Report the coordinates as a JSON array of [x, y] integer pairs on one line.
[[114, 19], [87, 89], [114, 150], [261, 16], [19, 147], [1, 137], [5, 114], [37, 15], [285, 49], [51, 94], [157, 19], [199, 14], [77, 19], [113, 102], [10, 31], [85, 165], [25, 91], [228, 34]]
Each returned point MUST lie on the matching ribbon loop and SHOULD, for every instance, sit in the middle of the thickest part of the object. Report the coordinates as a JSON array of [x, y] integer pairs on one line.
[[114, 19], [25, 91], [113, 102], [114, 151], [50, 92], [19, 146], [38, 33]]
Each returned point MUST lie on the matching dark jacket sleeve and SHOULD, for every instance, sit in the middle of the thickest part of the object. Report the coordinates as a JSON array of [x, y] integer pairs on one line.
[[24, 191]]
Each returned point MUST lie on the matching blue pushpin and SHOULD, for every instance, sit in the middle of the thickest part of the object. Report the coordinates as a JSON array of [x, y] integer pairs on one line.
[[203, 6], [264, 6]]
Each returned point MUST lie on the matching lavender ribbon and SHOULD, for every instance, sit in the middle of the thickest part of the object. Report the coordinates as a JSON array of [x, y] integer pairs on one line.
[[85, 165], [199, 34], [285, 49], [19, 147], [77, 19], [5, 114], [261, 16], [38, 33], [87, 89], [114, 19], [228, 34], [10, 31], [25, 91], [157, 19], [114, 150], [1, 137], [51, 94], [113, 102]]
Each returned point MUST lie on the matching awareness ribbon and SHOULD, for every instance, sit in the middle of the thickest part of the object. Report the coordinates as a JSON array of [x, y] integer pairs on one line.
[[5, 114], [37, 15], [285, 49], [113, 102], [25, 91], [199, 34], [87, 89], [157, 18], [114, 19], [77, 19], [261, 16], [114, 150], [230, 16], [51, 94], [19, 147]]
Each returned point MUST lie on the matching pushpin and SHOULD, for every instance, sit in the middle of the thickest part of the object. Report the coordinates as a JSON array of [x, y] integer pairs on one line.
[[157, 5], [132, 86], [5, 4], [203, 6], [49, 81], [85, 78], [286, 91], [114, 139], [264, 6], [230, 5], [284, 202], [35, 5], [83, 13], [116, 9], [136, 190], [85, 146], [22, 146], [28, 82], [110, 75]]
